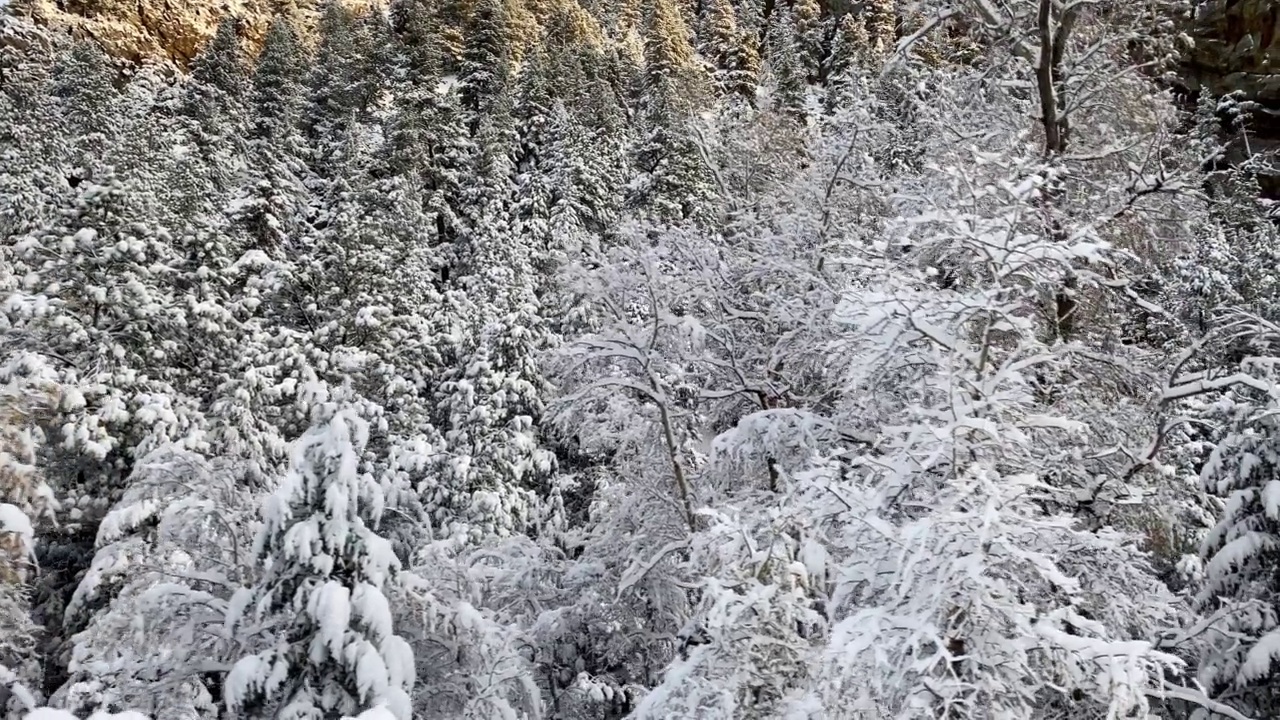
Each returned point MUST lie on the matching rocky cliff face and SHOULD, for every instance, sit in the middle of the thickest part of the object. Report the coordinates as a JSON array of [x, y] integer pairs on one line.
[[175, 30], [134, 30], [1237, 48], [1237, 42]]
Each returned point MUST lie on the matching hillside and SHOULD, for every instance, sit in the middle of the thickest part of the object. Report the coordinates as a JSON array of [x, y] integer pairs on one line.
[[658, 360], [168, 30]]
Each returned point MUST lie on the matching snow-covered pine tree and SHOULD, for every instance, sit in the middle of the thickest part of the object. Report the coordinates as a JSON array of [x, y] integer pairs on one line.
[[1240, 591], [784, 65], [271, 206], [1229, 264], [215, 93], [147, 617], [484, 73], [848, 52], [277, 90], [732, 52], [29, 169], [881, 19], [427, 132], [375, 58], [86, 101], [334, 87], [317, 624], [809, 24], [1224, 289], [93, 295], [488, 401], [672, 183], [26, 501]]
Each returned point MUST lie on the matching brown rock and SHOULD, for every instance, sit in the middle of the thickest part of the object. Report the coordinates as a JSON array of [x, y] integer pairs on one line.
[[175, 30], [1237, 47]]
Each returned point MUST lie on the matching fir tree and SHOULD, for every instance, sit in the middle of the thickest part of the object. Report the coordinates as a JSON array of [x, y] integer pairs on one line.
[[882, 29], [537, 152], [673, 185], [216, 91], [28, 167], [416, 24], [87, 102], [334, 650], [335, 92], [731, 51], [1240, 552], [484, 70], [807, 22], [375, 61], [785, 65], [276, 90], [1229, 264], [94, 292], [848, 50]]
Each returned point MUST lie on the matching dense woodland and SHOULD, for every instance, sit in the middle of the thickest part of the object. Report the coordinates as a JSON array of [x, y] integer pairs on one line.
[[656, 360]]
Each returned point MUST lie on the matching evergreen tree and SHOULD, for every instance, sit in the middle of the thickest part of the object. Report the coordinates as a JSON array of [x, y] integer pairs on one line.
[[375, 60], [428, 132], [491, 400], [336, 95], [28, 168], [272, 201], [673, 183], [333, 650], [848, 51], [484, 71], [93, 292], [276, 90], [538, 151], [882, 29], [87, 104], [807, 22], [785, 65], [216, 92], [1229, 264], [731, 51], [487, 198]]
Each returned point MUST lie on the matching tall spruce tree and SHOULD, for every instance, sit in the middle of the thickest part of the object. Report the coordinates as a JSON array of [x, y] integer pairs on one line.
[[216, 91], [334, 650], [848, 53], [334, 89], [484, 73], [673, 181], [785, 64], [731, 51], [276, 89]]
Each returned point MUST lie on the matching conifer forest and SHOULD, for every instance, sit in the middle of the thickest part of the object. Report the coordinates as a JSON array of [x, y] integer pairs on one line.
[[645, 359]]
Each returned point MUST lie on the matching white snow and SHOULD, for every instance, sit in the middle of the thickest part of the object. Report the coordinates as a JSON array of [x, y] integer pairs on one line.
[[49, 714], [1271, 499], [1257, 663], [331, 608], [371, 606], [379, 713], [401, 670], [13, 520], [371, 670], [123, 520], [245, 675]]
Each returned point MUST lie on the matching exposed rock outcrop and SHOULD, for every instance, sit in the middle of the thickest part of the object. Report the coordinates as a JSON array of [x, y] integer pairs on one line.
[[1237, 49], [175, 30], [134, 30]]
